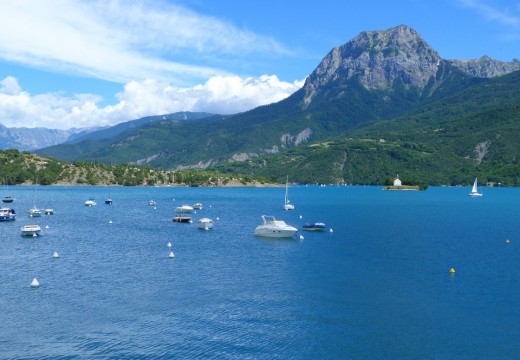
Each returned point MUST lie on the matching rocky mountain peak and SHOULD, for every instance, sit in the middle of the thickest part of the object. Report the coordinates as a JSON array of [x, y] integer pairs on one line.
[[379, 59]]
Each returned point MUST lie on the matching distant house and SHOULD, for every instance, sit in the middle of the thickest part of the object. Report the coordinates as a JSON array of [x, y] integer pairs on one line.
[[397, 182]]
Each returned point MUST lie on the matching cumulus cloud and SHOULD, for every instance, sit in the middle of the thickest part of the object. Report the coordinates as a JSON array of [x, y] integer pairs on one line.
[[219, 94], [123, 40]]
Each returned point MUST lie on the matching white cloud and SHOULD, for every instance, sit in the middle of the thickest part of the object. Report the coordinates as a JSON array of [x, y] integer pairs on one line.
[[220, 94], [509, 16], [122, 40]]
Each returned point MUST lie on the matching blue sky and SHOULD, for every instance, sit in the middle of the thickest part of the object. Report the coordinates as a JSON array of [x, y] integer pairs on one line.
[[72, 63]]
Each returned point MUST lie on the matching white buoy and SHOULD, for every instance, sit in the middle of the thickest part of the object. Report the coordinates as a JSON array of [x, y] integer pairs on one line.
[[218, 218], [301, 237], [301, 217], [330, 230], [155, 207], [35, 283], [171, 256], [194, 212], [46, 226], [55, 255], [169, 245], [110, 221], [35, 235]]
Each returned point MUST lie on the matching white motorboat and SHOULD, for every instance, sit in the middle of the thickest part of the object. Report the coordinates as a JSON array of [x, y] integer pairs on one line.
[[151, 203], [31, 230], [48, 211], [34, 212], [90, 202], [205, 224], [287, 204], [198, 206], [474, 189], [274, 228], [7, 214], [184, 209]]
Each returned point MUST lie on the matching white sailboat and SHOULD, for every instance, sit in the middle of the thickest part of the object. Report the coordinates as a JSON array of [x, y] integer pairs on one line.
[[34, 211], [474, 189], [287, 205]]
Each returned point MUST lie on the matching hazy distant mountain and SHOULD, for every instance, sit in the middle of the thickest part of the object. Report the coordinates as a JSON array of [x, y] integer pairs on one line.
[[35, 138], [376, 78]]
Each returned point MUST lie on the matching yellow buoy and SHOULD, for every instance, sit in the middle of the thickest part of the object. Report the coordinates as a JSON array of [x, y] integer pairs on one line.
[[507, 241], [452, 271]]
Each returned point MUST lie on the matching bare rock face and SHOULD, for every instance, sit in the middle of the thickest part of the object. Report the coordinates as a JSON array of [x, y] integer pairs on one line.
[[485, 67], [379, 59]]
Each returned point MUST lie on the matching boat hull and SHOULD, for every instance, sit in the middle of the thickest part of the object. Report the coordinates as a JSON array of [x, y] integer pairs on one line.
[[275, 233], [314, 227], [205, 224], [182, 219], [7, 214], [288, 207], [184, 209], [31, 230], [35, 213]]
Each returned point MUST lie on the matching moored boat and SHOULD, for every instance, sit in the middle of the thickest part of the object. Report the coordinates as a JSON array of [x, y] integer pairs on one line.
[[34, 212], [205, 224], [31, 230], [7, 214], [182, 219], [274, 228], [90, 202], [198, 206], [287, 204], [184, 209], [318, 226]]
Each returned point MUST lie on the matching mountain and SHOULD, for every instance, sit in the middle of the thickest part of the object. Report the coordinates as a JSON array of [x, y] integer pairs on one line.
[[379, 77], [35, 138]]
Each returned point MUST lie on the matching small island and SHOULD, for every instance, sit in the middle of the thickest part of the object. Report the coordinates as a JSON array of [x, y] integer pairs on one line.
[[398, 185]]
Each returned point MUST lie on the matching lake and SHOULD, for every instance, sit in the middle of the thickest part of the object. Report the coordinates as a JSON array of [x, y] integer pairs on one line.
[[378, 286]]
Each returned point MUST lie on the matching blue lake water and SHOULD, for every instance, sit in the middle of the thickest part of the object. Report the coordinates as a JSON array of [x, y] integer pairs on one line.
[[377, 287]]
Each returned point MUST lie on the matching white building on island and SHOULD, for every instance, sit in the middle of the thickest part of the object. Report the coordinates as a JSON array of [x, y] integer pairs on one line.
[[397, 182]]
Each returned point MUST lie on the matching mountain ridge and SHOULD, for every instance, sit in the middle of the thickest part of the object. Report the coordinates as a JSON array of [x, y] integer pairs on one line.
[[376, 77]]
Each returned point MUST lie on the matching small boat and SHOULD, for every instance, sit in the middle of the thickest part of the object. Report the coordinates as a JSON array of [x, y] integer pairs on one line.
[[182, 219], [474, 189], [184, 209], [205, 224], [48, 211], [34, 212], [198, 206], [90, 202], [287, 205], [7, 199], [151, 203], [7, 214], [108, 201], [274, 228], [318, 226], [31, 230]]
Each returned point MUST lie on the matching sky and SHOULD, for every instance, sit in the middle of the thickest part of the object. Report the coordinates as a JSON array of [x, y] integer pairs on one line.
[[75, 64]]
